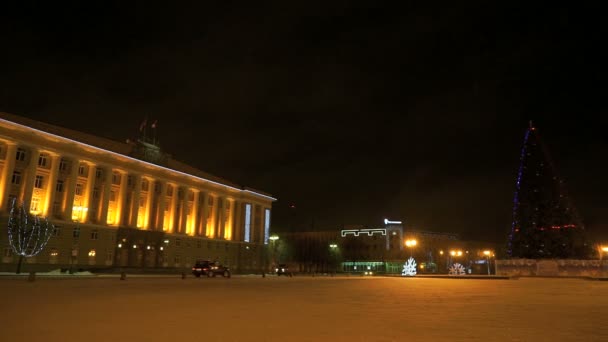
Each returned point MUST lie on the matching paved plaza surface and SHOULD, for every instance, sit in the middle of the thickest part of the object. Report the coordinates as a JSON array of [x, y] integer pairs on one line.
[[303, 309]]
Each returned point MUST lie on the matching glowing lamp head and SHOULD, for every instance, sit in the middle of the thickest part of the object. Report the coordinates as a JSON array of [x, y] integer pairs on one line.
[[605, 249], [486, 253]]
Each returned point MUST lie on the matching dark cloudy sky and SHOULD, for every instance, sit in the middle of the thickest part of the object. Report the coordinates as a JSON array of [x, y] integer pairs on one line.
[[352, 112]]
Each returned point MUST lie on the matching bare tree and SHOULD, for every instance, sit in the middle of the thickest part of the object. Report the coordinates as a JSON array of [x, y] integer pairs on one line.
[[27, 234]]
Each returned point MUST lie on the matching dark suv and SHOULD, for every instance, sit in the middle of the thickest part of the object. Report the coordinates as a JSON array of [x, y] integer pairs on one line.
[[282, 269], [210, 269]]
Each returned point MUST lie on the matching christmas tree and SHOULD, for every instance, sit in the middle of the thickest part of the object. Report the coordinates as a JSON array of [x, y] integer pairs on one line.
[[545, 221]]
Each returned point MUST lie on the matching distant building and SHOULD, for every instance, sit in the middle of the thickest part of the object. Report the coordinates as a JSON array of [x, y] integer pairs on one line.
[[357, 249], [124, 204]]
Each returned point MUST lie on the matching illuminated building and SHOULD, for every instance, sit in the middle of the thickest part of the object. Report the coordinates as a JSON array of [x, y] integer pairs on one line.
[[124, 204], [380, 250]]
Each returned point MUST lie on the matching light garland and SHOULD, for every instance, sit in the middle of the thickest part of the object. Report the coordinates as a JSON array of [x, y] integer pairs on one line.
[[27, 234]]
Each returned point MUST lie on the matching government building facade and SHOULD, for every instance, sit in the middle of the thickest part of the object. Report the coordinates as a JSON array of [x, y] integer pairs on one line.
[[123, 205]]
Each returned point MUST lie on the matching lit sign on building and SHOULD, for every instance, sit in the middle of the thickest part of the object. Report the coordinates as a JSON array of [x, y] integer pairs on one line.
[[387, 221], [369, 232]]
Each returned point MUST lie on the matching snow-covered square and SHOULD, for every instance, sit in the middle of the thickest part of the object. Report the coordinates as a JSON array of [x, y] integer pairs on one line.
[[248, 308]]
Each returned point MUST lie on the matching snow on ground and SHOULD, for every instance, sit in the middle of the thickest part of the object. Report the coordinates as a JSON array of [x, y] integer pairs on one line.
[[303, 309]]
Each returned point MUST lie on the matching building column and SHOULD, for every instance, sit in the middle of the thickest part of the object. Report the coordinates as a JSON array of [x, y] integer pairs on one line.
[[174, 214], [7, 174], [204, 214], [105, 199], [134, 210], [219, 230], [88, 193], [122, 199], [68, 206], [195, 213], [237, 234], [30, 176], [183, 212], [149, 218], [160, 214], [51, 185]]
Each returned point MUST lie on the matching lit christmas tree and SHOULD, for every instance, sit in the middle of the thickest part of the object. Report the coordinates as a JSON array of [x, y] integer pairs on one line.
[[545, 222]]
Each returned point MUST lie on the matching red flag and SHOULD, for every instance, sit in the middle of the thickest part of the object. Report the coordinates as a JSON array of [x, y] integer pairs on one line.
[[143, 124]]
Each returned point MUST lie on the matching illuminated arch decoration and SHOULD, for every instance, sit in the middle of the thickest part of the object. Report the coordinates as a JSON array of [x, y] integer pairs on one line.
[[409, 268], [457, 269]]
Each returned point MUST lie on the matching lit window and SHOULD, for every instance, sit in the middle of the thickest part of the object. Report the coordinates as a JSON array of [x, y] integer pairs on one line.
[[76, 232], [20, 156], [92, 253], [267, 225], [94, 235], [42, 160], [78, 190], [59, 186], [16, 178], [247, 222], [34, 205], [38, 182]]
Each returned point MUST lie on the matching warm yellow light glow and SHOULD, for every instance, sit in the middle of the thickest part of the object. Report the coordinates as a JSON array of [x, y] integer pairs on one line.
[[92, 253], [459, 253], [487, 253], [120, 245], [273, 237], [604, 249], [441, 252], [411, 243], [134, 246], [79, 213]]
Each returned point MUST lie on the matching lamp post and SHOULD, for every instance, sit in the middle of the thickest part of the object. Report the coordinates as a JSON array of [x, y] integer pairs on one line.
[[333, 247], [411, 243], [273, 239], [487, 254]]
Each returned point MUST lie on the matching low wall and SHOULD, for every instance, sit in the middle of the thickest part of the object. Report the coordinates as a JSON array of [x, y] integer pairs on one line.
[[552, 268]]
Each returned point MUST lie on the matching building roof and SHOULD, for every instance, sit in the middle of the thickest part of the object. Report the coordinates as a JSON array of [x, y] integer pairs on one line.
[[121, 148]]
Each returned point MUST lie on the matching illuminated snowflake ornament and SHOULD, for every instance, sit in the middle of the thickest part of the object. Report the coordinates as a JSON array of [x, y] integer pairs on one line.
[[457, 269], [409, 268]]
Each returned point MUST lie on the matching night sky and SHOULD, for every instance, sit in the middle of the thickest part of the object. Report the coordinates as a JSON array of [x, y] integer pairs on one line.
[[352, 113]]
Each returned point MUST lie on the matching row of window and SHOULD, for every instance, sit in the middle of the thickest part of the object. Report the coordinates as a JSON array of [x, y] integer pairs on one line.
[[54, 253]]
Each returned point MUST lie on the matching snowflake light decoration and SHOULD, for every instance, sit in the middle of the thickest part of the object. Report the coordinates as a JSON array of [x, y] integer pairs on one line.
[[409, 268], [457, 269]]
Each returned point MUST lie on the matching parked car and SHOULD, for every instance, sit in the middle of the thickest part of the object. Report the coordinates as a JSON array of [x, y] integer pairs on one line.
[[282, 269], [210, 269]]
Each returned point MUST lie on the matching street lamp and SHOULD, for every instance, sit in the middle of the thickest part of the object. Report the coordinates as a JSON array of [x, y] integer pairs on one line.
[[487, 254], [273, 239], [411, 243]]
